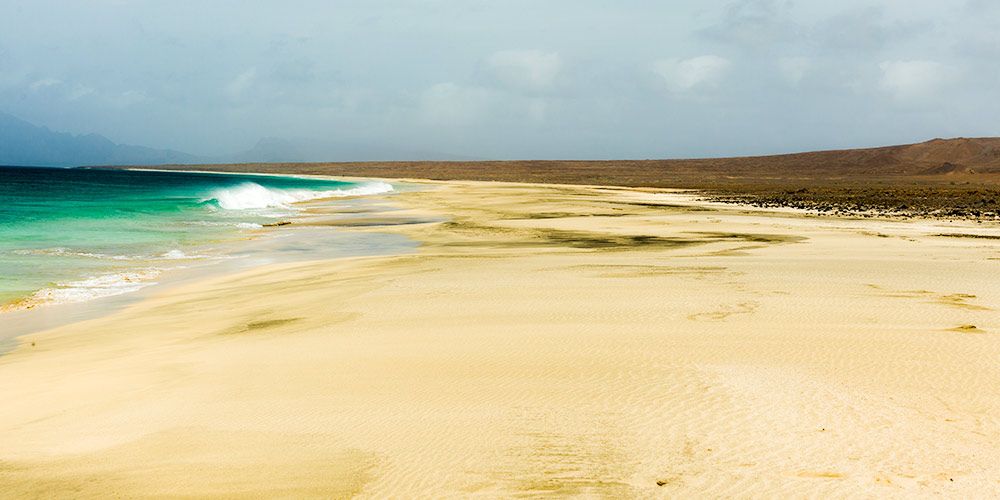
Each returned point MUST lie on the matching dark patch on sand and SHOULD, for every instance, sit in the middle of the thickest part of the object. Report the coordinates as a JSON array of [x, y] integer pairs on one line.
[[875, 234], [372, 222], [270, 323], [592, 240], [563, 215], [961, 300], [725, 312], [273, 325], [639, 271], [957, 300], [964, 235], [755, 238], [966, 329]]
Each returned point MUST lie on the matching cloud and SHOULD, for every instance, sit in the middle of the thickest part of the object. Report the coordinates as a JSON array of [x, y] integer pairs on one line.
[[864, 30], [759, 25], [914, 80], [583, 79], [536, 110], [128, 98], [452, 104], [531, 70], [241, 83], [67, 92], [683, 75], [44, 83], [793, 69], [754, 23], [79, 91]]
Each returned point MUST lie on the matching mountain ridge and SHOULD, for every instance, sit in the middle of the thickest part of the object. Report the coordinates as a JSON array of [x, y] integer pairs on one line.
[[25, 144], [933, 160]]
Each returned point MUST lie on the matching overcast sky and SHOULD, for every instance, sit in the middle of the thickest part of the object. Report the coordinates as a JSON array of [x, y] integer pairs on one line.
[[507, 78]]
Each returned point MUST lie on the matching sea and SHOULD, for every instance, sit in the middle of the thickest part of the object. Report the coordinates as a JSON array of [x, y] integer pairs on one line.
[[71, 235]]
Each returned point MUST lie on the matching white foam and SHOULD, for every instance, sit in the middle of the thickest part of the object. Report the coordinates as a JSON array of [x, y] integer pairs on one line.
[[65, 252], [179, 255], [95, 287], [250, 195], [240, 225]]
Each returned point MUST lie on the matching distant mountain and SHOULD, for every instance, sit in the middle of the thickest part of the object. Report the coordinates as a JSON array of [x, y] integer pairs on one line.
[[25, 144], [22, 143]]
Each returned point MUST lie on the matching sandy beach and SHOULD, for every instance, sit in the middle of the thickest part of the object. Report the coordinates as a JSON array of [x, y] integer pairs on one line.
[[543, 340]]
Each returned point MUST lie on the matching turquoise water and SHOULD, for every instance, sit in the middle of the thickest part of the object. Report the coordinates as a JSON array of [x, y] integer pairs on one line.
[[71, 235]]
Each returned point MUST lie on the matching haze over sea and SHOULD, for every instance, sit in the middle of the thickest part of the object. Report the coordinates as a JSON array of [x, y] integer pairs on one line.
[[71, 235]]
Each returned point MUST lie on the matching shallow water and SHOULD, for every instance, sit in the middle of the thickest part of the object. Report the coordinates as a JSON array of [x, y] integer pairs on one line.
[[76, 235]]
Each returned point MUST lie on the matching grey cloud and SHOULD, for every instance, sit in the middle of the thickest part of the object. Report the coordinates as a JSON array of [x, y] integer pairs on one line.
[[863, 29], [752, 24], [513, 79]]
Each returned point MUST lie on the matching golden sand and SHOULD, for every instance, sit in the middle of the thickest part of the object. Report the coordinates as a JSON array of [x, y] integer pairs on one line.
[[545, 340]]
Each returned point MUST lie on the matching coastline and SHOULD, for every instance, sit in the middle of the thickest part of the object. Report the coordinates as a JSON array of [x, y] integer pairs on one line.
[[229, 255], [543, 339]]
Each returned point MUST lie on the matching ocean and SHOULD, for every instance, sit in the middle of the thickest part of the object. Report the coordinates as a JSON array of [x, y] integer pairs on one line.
[[74, 235]]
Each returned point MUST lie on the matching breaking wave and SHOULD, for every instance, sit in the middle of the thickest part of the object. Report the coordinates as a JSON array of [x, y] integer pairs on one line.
[[250, 195]]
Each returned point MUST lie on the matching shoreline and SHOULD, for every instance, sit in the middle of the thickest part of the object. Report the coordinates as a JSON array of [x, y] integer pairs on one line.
[[541, 340], [797, 195], [30, 318]]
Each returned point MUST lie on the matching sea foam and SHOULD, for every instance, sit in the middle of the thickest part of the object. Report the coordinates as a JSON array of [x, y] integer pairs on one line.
[[66, 252], [95, 287], [250, 195]]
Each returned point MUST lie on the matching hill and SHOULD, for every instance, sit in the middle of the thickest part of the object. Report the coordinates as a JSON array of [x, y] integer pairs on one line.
[[968, 158], [949, 177], [22, 143], [25, 144]]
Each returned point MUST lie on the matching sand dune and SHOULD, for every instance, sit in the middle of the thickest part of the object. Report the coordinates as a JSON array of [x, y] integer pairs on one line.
[[545, 340]]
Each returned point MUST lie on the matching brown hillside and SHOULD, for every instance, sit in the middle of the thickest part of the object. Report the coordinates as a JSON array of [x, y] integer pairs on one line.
[[939, 158], [942, 177], [983, 153]]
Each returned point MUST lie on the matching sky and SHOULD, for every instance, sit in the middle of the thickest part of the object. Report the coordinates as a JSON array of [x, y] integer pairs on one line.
[[507, 79]]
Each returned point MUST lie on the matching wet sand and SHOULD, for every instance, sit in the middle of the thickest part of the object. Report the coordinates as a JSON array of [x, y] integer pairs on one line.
[[544, 340]]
